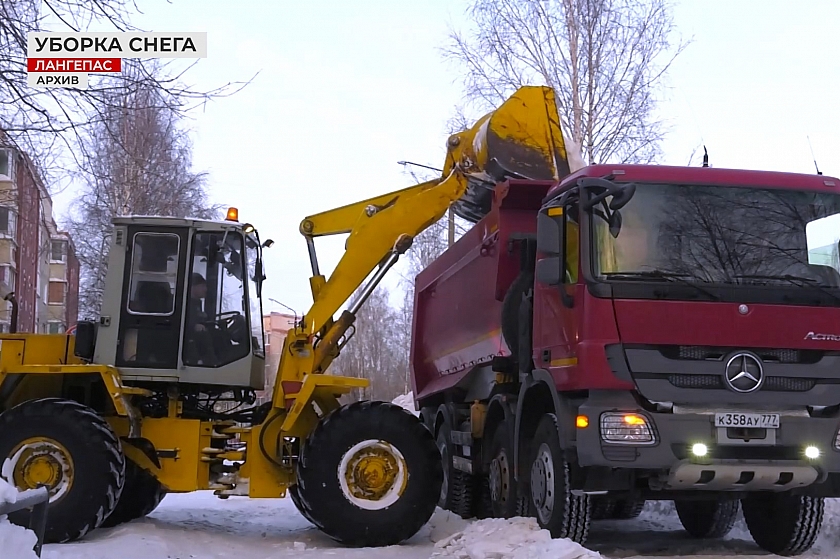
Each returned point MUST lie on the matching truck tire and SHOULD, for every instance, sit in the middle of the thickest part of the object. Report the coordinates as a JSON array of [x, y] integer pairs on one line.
[[483, 500], [74, 452], [141, 495], [510, 309], [707, 519], [370, 474], [457, 492], [503, 496], [602, 507], [557, 510], [625, 509], [783, 524]]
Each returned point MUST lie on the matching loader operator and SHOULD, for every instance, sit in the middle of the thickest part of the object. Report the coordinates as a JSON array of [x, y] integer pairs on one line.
[[199, 338]]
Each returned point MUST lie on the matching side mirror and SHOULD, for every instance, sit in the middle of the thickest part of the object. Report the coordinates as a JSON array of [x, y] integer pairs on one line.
[[549, 233], [622, 196], [549, 271]]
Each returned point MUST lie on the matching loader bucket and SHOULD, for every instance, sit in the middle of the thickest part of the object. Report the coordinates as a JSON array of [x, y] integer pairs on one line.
[[520, 139]]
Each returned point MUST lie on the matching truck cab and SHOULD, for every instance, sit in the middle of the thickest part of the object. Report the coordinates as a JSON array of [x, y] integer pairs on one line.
[[633, 333]]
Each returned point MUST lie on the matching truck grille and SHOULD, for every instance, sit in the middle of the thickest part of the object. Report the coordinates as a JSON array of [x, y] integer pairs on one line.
[[710, 353], [773, 384]]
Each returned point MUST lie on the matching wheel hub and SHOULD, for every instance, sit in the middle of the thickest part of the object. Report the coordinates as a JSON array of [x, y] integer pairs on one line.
[[39, 462], [373, 474], [499, 478], [542, 483]]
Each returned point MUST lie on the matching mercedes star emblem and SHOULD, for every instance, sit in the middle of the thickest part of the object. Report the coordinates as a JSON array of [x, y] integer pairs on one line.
[[743, 373]]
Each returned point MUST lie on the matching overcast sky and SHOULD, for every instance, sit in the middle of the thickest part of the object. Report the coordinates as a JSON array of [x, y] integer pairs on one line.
[[347, 89]]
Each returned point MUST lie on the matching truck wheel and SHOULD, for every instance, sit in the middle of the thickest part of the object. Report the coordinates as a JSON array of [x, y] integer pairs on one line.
[[484, 500], [510, 309], [783, 524], [559, 511], [141, 495], [628, 508], [370, 474], [502, 483], [707, 519], [602, 507], [457, 492], [74, 452]]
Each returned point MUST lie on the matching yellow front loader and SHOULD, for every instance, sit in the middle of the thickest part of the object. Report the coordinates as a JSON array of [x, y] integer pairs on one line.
[[158, 395]]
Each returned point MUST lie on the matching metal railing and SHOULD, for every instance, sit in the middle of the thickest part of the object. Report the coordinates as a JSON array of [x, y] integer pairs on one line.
[[38, 500]]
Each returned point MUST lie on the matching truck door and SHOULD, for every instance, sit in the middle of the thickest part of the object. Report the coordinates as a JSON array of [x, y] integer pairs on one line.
[[152, 299]]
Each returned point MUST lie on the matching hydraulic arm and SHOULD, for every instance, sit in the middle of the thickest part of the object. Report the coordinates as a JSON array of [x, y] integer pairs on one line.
[[520, 139]]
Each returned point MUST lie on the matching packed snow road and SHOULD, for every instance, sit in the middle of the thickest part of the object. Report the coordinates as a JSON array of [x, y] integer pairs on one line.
[[201, 526]]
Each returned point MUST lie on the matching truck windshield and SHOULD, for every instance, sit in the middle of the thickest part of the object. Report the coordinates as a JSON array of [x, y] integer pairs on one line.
[[722, 235]]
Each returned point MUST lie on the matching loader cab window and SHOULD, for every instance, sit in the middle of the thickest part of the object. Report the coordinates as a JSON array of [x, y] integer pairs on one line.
[[216, 330], [154, 274]]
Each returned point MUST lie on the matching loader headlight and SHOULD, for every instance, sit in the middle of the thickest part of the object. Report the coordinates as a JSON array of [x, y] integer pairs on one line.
[[626, 428]]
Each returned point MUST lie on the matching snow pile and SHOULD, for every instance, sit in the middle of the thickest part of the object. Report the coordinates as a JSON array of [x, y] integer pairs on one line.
[[406, 401], [515, 538], [16, 542]]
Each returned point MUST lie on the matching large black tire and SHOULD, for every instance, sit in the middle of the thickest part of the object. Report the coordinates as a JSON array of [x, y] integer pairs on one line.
[[141, 495], [403, 454], [523, 283], [483, 499], [783, 524], [78, 451], [502, 484], [557, 510], [707, 519], [458, 490], [300, 504], [628, 508], [602, 507]]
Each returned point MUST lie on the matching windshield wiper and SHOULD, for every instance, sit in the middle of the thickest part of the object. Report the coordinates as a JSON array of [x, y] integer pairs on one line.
[[798, 281], [661, 275]]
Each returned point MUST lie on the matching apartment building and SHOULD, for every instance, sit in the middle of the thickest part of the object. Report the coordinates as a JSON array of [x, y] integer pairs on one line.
[[276, 326], [38, 265]]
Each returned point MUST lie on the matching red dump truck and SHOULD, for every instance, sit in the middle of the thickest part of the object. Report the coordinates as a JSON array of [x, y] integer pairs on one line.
[[630, 333]]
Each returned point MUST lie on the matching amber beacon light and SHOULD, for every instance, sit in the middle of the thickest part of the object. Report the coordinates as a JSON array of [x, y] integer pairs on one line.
[[232, 214]]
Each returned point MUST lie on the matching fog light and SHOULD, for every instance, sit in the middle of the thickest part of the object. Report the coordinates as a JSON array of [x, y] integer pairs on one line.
[[812, 452], [628, 428], [699, 450]]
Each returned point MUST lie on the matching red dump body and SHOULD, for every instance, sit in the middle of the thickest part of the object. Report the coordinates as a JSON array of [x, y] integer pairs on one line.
[[458, 298]]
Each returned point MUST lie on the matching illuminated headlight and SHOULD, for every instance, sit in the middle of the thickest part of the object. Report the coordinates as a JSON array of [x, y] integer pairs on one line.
[[699, 450], [812, 452], [628, 428], [837, 441]]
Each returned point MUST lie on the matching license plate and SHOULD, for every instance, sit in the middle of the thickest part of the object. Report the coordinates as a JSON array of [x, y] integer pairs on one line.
[[754, 420]]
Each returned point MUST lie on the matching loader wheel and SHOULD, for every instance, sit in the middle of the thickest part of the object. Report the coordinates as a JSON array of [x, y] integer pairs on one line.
[[707, 519], [69, 448], [300, 505], [457, 492], [370, 474], [559, 511], [502, 483], [783, 524], [141, 495]]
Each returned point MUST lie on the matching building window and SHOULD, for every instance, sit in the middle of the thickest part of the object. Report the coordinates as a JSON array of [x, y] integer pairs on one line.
[[6, 163], [57, 292], [58, 251], [7, 221], [7, 276], [55, 327]]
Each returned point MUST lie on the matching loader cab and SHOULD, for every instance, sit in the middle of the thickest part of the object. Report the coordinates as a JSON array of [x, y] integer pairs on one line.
[[182, 303]]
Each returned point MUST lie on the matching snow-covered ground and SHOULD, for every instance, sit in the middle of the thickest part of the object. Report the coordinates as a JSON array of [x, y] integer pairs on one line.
[[200, 525]]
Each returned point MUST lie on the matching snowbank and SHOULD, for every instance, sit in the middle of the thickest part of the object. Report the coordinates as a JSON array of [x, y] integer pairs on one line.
[[515, 538], [406, 401], [15, 541]]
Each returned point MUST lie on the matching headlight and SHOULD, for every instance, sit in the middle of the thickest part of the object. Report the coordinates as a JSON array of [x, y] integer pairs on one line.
[[837, 441], [627, 428]]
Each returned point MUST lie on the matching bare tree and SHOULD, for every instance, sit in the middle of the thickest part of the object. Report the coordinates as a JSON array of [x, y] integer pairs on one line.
[[374, 352], [49, 123], [605, 59], [137, 160]]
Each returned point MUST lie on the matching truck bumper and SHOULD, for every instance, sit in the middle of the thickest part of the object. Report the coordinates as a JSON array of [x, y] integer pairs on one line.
[[775, 460]]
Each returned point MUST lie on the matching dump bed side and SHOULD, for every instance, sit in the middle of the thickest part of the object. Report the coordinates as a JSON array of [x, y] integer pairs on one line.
[[458, 298]]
